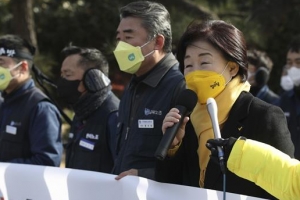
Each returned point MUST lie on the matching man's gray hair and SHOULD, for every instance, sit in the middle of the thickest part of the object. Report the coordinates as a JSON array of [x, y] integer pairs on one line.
[[155, 19]]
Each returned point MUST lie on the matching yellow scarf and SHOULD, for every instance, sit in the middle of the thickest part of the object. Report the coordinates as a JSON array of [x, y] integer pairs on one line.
[[202, 122]]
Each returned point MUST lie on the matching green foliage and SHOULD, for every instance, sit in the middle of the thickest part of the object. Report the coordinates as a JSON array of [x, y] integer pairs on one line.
[[89, 23], [179, 22]]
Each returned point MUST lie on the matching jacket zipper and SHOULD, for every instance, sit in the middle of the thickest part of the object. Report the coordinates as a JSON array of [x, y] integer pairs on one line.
[[130, 112], [127, 131]]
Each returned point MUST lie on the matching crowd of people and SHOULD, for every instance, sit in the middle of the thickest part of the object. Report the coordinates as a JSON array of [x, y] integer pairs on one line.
[[120, 136]]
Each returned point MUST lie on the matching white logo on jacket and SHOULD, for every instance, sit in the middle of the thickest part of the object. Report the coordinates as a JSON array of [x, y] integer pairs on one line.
[[92, 136], [13, 123], [152, 112]]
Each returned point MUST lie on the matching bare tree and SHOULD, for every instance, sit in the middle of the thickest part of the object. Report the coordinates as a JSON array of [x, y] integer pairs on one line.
[[23, 20]]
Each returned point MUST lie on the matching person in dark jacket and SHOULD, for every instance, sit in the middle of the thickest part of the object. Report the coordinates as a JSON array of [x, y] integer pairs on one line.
[[84, 84], [30, 125], [259, 69], [290, 99], [213, 57], [144, 50]]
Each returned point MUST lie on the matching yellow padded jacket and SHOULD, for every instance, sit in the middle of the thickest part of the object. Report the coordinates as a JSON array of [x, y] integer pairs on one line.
[[267, 167]]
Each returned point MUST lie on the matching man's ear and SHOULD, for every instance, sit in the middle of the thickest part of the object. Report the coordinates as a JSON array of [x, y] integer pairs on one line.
[[24, 66], [159, 42], [233, 68]]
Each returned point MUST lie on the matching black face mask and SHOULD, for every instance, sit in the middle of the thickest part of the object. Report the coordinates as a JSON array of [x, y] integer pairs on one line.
[[68, 90]]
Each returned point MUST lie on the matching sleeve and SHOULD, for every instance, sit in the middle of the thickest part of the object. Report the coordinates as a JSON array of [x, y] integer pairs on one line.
[[268, 125], [148, 173], [179, 88], [112, 133], [272, 170], [274, 131], [183, 167], [44, 136]]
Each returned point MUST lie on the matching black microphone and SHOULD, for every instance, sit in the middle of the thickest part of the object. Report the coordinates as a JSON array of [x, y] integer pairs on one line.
[[186, 102], [213, 113]]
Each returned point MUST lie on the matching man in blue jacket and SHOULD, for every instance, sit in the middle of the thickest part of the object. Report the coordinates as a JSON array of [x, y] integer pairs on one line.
[[30, 125], [84, 84], [144, 50]]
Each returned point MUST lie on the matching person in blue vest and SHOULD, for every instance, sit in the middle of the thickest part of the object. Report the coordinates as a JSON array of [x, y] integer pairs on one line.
[[30, 125], [144, 50], [84, 84], [290, 99]]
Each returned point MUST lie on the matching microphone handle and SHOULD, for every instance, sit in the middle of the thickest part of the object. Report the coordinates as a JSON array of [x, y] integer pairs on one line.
[[169, 135], [213, 113]]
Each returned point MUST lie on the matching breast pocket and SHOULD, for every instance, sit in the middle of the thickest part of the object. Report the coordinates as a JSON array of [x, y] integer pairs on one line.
[[13, 145], [148, 138]]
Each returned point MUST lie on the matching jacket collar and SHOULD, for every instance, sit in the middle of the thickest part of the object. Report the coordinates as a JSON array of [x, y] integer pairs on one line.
[[14, 94], [160, 69], [239, 111]]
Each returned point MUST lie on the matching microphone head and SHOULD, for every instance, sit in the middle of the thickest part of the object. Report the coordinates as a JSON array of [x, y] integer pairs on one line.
[[187, 98]]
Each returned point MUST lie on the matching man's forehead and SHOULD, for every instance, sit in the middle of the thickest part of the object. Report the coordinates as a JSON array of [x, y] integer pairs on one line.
[[293, 54], [71, 64], [6, 59], [130, 24]]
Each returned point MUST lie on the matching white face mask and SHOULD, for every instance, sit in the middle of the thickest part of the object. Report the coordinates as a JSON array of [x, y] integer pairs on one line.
[[286, 83], [294, 74]]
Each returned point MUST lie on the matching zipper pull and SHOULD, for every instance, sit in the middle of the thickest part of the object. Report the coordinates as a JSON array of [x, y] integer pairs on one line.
[[127, 131]]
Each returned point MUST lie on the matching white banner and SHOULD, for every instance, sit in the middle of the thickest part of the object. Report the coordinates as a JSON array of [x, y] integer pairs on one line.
[[31, 182]]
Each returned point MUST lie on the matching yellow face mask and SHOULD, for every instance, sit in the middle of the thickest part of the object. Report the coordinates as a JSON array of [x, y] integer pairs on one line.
[[206, 84], [5, 76], [129, 57]]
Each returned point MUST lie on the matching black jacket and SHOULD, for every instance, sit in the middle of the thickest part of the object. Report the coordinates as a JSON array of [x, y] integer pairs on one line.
[[254, 119], [182, 169]]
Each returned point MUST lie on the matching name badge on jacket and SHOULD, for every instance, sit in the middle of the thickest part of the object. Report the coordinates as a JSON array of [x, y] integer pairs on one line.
[[287, 114], [87, 144], [146, 123], [11, 129]]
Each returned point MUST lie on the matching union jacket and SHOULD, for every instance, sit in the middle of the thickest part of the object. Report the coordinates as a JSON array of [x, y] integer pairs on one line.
[[249, 117], [30, 128], [142, 109]]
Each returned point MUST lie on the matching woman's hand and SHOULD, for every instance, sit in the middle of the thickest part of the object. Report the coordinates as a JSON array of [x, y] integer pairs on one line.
[[172, 118]]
